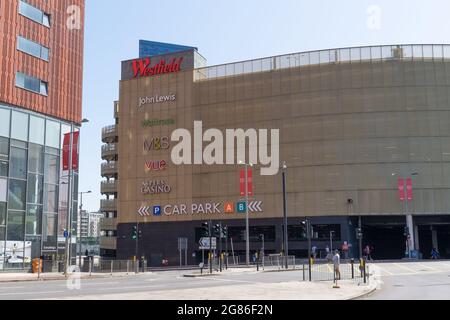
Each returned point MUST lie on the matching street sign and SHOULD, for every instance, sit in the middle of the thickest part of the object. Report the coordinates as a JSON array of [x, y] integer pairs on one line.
[[66, 234], [204, 244], [182, 243]]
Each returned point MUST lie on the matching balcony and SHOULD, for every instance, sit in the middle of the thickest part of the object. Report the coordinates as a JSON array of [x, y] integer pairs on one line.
[[110, 169], [108, 205], [109, 243], [109, 152], [109, 134], [109, 187], [108, 224]]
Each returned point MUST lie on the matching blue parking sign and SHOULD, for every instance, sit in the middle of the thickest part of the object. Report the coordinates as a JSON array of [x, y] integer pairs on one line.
[[241, 207], [157, 210]]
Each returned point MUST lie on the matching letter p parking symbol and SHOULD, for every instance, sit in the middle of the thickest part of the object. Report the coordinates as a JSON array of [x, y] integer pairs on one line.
[[157, 211]]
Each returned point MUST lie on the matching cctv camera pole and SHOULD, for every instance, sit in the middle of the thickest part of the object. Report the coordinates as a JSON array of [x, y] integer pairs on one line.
[[210, 247], [286, 248], [69, 205], [247, 222]]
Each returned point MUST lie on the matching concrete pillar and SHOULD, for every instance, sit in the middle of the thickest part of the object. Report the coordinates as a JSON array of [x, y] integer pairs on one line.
[[410, 224], [416, 238], [434, 237]]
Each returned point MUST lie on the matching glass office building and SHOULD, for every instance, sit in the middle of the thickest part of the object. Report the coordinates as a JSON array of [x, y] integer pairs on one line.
[[33, 187]]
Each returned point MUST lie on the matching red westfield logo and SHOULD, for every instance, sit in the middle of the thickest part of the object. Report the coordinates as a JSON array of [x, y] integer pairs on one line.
[[142, 67]]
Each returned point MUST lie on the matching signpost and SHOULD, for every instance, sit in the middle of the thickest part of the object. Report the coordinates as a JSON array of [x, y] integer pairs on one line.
[[205, 244], [183, 246]]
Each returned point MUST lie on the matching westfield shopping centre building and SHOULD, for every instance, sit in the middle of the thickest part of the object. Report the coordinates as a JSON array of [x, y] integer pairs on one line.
[[364, 133]]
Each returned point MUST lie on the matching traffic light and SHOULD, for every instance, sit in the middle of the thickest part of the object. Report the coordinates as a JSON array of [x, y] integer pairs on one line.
[[359, 233], [216, 230], [225, 232], [205, 228], [134, 233], [406, 232]]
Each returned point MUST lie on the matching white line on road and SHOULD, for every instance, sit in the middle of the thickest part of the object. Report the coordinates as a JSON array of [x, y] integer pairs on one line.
[[425, 266], [228, 280], [9, 288], [405, 268], [29, 293]]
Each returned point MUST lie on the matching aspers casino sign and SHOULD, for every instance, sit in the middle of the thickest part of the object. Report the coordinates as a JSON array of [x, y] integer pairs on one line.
[[144, 68]]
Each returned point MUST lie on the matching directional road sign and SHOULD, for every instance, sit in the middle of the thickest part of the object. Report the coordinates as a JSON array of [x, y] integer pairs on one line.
[[204, 243]]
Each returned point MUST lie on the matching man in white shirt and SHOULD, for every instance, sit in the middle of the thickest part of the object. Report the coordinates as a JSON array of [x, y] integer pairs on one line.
[[337, 264]]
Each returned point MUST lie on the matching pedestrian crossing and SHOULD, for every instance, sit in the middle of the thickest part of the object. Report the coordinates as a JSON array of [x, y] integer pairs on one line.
[[408, 268]]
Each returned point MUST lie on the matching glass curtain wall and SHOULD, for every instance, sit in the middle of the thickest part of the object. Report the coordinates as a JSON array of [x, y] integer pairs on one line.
[[33, 196]]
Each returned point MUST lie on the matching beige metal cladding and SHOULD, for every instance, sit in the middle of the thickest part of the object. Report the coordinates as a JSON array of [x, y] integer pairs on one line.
[[109, 224], [109, 169], [108, 243], [109, 151], [108, 205], [109, 134], [109, 187], [347, 124]]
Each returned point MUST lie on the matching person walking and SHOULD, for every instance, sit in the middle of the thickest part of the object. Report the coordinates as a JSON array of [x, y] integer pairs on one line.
[[314, 252], [337, 265], [435, 254], [329, 258]]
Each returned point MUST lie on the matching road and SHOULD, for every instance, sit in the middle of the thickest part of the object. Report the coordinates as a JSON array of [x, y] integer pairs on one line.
[[399, 281], [412, 281]]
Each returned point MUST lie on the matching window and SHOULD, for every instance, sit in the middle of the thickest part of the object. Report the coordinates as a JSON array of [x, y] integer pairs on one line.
[[2, 238], [34, 220], [3, 189], [32, 84], [32, 48], [18, 163], [238, 234], [19, 124], [35, 188], [51, 198], [4, 122], [17, 194], [324, 231], [34, 14], [51, 169], [2, 214], [36, 159], [4, 157], [37, 130], [53, 135], [16, 226], [297, 233]]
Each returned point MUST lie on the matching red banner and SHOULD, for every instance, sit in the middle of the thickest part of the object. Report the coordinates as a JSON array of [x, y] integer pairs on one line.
[[76, 138], [66, 151], [250, 183], [401, 189], [409, 189], [242, 183]]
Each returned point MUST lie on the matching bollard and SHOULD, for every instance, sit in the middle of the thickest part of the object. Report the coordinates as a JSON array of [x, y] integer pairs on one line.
[[112, 266], [304, 273], [91, 261], [310, 271], [128, 266], [39, 269], [353, 268], [365, 276]]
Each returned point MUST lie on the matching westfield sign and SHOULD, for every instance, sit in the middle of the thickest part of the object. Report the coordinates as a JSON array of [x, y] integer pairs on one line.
[[143, 68]]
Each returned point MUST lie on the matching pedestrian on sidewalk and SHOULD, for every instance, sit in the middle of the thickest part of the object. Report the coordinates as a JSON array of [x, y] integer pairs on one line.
[[337, 265], [435, 254]]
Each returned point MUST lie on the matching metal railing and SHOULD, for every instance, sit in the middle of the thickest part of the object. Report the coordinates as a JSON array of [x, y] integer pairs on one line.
[[324, 271], [109, 186], [108, 205], [109, 132], [409, 52], [109, 168]]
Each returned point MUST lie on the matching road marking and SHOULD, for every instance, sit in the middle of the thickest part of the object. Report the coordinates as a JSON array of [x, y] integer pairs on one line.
[[97, 283], [383, 270], [228, 280], [29, 293], [425, 266], [412, 271], [130, 288], [8, 288]]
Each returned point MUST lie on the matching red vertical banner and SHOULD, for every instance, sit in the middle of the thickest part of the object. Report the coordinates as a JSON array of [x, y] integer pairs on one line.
[[250, 183], [409, 189], [242, 183], [66, 151], [401, 189], [76, 138]]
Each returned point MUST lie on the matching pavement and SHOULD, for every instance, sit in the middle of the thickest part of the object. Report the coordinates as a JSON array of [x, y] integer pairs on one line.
[[28, 277]]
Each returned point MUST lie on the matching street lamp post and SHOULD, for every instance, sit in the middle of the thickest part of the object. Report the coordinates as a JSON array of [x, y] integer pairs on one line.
[[331, 241], [247, 215], [81, 236], [286, 240], [410, 239], [69, 229]]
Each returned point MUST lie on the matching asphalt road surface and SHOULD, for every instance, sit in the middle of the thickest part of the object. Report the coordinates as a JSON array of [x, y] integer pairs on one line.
[[412, 281]]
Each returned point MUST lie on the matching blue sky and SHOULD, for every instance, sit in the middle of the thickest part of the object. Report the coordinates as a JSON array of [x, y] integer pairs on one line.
[[228, 31]]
